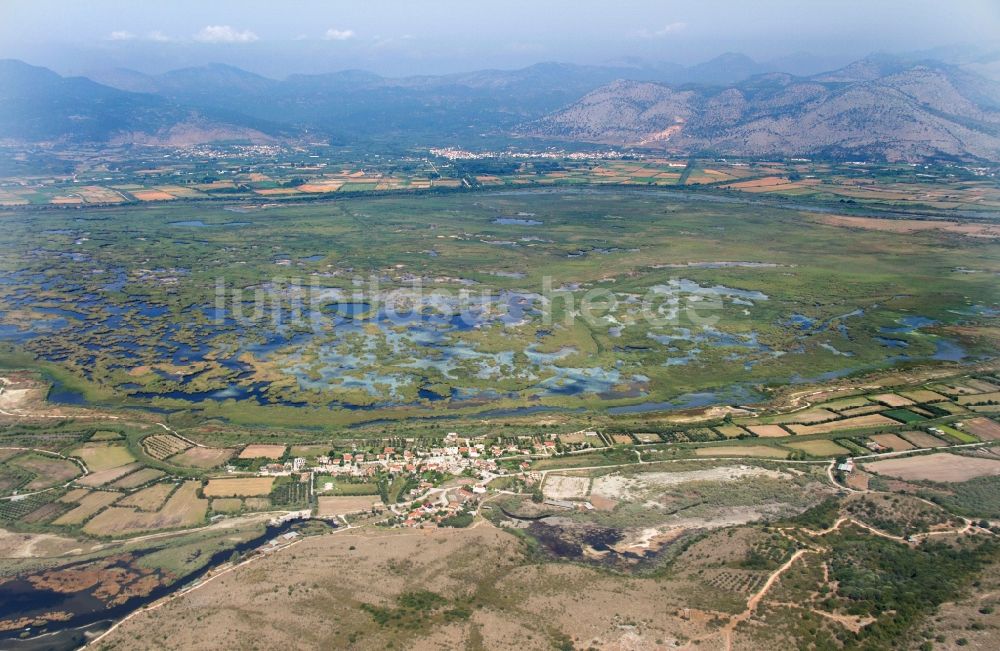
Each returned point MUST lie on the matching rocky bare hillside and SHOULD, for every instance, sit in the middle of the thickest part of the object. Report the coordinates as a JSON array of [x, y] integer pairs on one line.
[[869, 110]]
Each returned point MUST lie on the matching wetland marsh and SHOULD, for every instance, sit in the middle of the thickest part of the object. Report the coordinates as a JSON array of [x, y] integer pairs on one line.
[[386, 308]]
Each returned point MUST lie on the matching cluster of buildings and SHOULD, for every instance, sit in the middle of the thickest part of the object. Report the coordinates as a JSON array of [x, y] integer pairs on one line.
[[201, 152], [454, 153], [455, 456], [447, 506], [445, 481], [298, 464]]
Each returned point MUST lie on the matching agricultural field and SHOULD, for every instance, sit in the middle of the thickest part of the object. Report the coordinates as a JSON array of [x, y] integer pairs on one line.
[[922, 439], [841, 404], [34, 471], [904, 415], [148, 499], [983, 429], [138, 478], [732, 431], [290, 492], [333, 486], [105, 435], [894, 185], [227, 505], [14, 511], [986, 409], [982, 385], [952, 407], [893, 442], [87, 504], [34, 510], [805, 417], [956, 434], [762, 451], [818, 448], [239, 487], [939, 467], [182, 509], [162, 446], [861, 411], [309, 451], [202, 457], [103, 477], [257, 503], [979, 398], [103, 456], [891, 400], [856, 422], [768, 431], [923, 395], [332, 506], [258, 451]]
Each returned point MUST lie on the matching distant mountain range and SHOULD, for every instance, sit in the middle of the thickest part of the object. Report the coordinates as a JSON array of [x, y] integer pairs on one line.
[[880, 108], [39, 106]]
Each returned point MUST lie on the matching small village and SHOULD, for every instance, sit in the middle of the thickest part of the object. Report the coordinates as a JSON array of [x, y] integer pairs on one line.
[[416, 486]]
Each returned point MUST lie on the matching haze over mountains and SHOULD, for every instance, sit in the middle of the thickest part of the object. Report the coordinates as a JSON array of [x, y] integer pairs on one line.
[[877, 108], [881, 108]]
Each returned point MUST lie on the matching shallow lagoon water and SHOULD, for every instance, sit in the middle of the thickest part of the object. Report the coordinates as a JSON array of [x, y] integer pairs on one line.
[[978, 310], [811, 326], [735, 395], [908, 323], [707, 337], [517, 221], [945, 350], [948, 351], [197, 223], [60, 394], [391, 356], [14, 334], [833, 349]]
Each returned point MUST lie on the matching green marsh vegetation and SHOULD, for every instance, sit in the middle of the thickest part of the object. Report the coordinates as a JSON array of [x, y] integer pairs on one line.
[[119, 304]]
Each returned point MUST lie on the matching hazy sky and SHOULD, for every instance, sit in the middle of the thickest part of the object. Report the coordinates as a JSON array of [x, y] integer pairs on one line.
[[433, 36]]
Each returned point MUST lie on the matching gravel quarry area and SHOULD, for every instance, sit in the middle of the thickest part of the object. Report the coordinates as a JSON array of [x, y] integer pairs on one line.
[[631, 487]]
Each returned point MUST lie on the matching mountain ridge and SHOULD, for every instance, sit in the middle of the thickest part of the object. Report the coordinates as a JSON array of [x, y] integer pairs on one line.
[[879, 109], [39, 106]]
